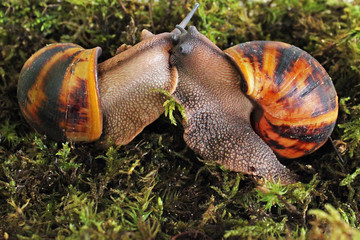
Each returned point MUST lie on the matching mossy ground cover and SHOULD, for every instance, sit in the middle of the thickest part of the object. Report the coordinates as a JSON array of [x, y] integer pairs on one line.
[[155, 187]]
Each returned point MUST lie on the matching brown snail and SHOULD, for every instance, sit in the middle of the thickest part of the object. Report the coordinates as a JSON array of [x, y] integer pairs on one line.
[[290, 95], [65, 94], [278, 79]]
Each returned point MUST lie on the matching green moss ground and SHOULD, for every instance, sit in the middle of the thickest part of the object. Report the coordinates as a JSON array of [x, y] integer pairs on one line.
[[156, 187]]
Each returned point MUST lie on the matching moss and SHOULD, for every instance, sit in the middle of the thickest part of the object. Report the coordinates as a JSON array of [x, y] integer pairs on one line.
[[155, 187], [170, 106], [335, 227]]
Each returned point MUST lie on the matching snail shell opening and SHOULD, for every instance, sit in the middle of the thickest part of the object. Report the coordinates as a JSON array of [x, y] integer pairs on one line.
[[58, 92]]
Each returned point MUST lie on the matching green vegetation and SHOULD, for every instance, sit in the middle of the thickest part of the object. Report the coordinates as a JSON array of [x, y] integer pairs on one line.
[[155, 187], [170, 107]]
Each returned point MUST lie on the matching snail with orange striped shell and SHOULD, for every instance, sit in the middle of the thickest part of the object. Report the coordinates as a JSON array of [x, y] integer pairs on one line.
[[288, 95], [65, 94]]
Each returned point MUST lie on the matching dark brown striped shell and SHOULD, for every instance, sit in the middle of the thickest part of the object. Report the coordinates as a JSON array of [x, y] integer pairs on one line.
[[298, 99], [58, 92]]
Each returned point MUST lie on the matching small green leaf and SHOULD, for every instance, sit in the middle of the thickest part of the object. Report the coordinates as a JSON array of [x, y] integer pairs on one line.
[[172, 105]]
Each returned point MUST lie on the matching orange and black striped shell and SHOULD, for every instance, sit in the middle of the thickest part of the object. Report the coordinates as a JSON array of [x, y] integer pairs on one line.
[[298, 99], [58, 92]]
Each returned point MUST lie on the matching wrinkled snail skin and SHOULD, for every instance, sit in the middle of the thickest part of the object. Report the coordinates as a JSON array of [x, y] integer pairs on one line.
[[298, 99], [218, 126], [128, 84], [57, 92]]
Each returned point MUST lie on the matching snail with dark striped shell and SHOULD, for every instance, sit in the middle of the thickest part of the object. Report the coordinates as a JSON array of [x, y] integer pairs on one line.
[[242, 104]]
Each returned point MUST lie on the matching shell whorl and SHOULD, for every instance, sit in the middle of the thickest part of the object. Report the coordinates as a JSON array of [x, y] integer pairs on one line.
[[58, 92], [297, 97]]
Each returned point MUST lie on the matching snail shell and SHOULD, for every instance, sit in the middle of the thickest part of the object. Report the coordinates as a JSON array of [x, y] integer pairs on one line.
[[297, 97], [57, 92]]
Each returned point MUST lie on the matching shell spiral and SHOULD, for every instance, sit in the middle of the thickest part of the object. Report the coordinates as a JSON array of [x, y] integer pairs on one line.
[[297, 97], [58, 92]]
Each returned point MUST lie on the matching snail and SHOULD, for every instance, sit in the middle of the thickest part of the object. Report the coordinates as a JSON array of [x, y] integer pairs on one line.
[[64, 94], [244, 105], [288, 95]]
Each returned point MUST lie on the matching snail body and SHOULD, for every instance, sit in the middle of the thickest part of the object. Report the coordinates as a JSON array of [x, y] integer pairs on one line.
[[245, 105], [129, 99], [218, 126]]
